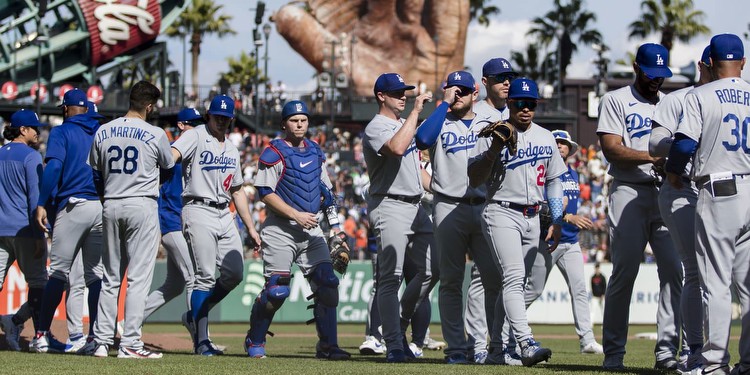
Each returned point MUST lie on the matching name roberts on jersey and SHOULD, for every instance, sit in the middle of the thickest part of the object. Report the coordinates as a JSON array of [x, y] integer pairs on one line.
[[125, 132], [210, 162]]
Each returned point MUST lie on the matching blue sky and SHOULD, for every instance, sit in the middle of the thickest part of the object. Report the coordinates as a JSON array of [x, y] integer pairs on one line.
[[507, 32]]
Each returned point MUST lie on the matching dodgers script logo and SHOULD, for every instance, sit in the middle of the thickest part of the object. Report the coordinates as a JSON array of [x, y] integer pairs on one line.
[[531, 154], [637, 125], [211, 162], [453, 142]]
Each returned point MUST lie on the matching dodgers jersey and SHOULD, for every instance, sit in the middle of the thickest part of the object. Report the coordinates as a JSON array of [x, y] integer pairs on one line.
[[210, 167], [627, 113], [572, 192], [717, 116], [390, 175], [525, 174], [450, 154], [129, 152], [670, 112], [483, 108]]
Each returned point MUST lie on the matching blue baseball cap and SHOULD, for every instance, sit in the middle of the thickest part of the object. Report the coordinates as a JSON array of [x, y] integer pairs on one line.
[[24, 118], [496, 66], [388, 82], [705, 56], [294, 107], [460, 78], [93, 111], [727, 47], [221, 105], [523, 88], [564, 137], [74, 97], [653, 60], [190, 115]]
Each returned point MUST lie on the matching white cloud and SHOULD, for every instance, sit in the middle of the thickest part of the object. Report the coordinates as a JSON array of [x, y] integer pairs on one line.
[[484, 43]]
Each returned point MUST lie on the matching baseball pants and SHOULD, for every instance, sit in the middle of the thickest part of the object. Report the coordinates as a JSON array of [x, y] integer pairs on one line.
[[286, 243], [74, 305], [131, 236], [634, 220], [179, 273], [78, 228], [21, 249], [475, 315], [396, 224]]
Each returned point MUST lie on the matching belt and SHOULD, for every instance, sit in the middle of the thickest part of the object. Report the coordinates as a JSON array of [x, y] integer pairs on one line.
[[644, 183], [473, 201], [206, 202], [526, 210], [412, 199], [701, 181]]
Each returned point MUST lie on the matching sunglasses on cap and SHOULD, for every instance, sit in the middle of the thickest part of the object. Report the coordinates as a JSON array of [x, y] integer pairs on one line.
[[502, 77], [521, 104]]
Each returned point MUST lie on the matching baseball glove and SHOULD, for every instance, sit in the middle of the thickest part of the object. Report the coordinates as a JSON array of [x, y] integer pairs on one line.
[[545, 218], [339, 251], [504, 132]]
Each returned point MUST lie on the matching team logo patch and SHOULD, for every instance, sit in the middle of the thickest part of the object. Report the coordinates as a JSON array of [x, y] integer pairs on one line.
[[525, 86], [196, 112], [223, 105], [457, 76], [659, 60], [298, 107], [399, 78], [505, 65]]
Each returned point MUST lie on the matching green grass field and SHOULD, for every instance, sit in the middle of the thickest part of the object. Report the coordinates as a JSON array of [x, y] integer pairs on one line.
[[292, 351]]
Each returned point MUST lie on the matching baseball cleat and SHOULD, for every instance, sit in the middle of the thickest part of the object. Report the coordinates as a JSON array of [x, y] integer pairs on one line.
[[480, 357], [330, 352], [371, 346], [456, 359], [101, 351], [613, 362], [669, 364], [46, 343], [255, 350], [532, 353], [12, 332], [433, 344], [395, 356], [592, 348], [208, 348], [137, 353], [74, 344], [417, 351]]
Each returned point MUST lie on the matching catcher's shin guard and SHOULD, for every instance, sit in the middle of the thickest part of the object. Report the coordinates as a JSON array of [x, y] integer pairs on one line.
[[268, 302], [324, 284]]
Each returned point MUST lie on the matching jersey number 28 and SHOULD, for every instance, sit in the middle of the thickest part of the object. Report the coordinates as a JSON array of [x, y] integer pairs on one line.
[[129, 159]]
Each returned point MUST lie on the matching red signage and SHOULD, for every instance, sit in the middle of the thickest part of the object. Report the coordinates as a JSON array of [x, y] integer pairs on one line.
[[42, 91], [9, 90], [63, 89], [117, 26], [95, 94]]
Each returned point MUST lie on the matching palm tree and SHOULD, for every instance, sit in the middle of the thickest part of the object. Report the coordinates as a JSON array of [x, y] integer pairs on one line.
[[481, 13], [533, 65], [674, 19], [201, 18], [570, 21], [242, 70]]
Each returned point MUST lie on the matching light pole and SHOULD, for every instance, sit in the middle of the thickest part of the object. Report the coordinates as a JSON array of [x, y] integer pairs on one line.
[[266, 34], [258, 43]]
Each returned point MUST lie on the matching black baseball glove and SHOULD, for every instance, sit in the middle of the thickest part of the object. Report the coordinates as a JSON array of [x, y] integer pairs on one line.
[[545, 219], [504, 132], [339, 250]]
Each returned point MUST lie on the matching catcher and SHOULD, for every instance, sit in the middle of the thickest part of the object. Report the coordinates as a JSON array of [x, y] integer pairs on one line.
[[289, 180]]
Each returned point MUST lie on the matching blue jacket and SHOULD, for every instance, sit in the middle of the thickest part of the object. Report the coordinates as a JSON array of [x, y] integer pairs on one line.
[[20, 173], [170, 202], [67, 169]]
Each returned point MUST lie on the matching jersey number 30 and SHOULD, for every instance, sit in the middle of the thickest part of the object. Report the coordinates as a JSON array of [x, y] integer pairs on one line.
[[739, 132], [129, 159]]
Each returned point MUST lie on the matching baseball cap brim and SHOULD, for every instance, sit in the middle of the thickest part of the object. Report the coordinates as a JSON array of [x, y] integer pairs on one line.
[[399, 88], [658, 72], [221, 113]]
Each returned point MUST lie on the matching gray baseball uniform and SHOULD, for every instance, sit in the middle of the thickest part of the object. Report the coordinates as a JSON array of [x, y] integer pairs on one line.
[[457, 223], [475, 315], [74, 297], [179, 273], [128, 153], [634, 220], [716, 116], [397, 219], [509, 219], [210, 169], [677, 208]]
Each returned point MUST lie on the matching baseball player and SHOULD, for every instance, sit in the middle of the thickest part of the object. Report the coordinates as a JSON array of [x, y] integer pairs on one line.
[[624, 127], [457, 207], [497, 74], [714, 132], [289, 183], [567, 257], [125, 156], [179, 264], [68, 187], [677, 208], [20, 239], [213, 176], [396, 216], [515, 186]]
